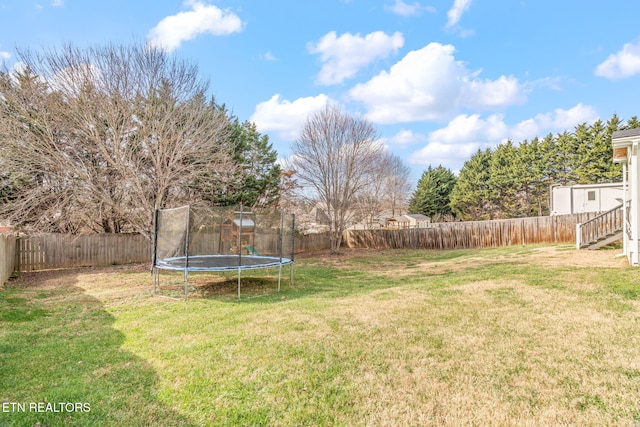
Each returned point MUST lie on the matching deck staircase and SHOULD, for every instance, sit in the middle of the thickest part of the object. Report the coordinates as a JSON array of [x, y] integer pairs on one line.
[[601, 230]]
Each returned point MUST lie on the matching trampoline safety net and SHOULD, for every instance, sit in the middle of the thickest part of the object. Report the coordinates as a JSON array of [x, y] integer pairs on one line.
[[190, 238]]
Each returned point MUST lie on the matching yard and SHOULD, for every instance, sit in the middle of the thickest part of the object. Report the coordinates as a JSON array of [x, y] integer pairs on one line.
[[523, 335]]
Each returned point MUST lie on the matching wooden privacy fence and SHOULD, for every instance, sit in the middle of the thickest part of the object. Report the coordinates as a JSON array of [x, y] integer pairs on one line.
[[7, 255], [49, 251], [474, 234], [311, 242]]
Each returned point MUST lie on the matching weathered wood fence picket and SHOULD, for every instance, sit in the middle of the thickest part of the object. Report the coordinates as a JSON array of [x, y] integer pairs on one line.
[[50, 251], [472, 234], [7, 255]]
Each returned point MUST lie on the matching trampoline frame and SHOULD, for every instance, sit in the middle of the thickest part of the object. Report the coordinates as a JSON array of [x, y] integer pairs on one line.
[[181, 263], [268, 261]]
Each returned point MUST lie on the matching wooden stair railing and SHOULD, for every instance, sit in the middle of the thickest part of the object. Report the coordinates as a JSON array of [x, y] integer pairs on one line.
[[606, 225]]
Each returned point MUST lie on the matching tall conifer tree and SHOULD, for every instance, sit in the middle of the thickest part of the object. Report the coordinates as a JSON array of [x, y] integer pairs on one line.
[[432, 195]]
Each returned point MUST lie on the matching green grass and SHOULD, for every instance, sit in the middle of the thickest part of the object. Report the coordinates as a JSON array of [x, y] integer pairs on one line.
[[527, 335]]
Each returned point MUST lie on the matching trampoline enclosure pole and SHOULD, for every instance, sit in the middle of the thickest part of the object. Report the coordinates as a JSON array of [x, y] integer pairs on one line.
[[293, 245], [280, 247], [186, 252], [279, 274], [239, 249], [154, 260], [186, 282]]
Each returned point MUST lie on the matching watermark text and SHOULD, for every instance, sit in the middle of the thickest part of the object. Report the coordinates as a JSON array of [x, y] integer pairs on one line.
[[45, 407]]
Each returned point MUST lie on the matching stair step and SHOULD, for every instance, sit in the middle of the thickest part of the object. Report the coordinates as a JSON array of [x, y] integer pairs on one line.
[[602, 241]]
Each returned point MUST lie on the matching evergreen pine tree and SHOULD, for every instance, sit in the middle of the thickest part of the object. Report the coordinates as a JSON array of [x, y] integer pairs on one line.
[[469, 197], [505, 180], [256, 179], [432, 195]]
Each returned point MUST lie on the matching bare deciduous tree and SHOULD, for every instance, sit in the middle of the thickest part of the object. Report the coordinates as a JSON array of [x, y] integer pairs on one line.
[[386, 189], [331, 158], [287, 191], [97, 138], [396, 183], [371, 198]]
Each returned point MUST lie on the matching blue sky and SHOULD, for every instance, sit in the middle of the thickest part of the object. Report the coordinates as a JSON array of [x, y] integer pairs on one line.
[[438, 78]]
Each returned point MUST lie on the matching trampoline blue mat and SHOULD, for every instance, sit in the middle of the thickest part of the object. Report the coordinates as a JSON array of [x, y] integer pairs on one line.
[[221, 262]]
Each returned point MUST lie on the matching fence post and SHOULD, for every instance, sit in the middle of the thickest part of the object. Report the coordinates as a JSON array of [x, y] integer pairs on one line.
[[7, 256], [16, 260], [578, 235]]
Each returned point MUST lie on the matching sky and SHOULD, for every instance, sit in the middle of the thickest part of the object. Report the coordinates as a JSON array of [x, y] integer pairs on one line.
[[439, 79]]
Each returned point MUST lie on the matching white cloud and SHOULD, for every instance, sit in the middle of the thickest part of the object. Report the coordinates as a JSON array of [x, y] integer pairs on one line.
[[557, 121], [57, 3], [344, 56], [553, 83], [450, 156], [497, 93], [284, 117], [403, 9], [457, 10], [18, 67], [4, 55], [68, 80], [269, 56], [452, 145], [471, 128], [624, 63], [430, 84], [201, 19], [71, 80], [566, 119], [406, 137]]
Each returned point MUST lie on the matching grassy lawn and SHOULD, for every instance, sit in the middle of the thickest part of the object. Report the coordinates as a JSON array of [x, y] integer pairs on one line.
[[528, 335]]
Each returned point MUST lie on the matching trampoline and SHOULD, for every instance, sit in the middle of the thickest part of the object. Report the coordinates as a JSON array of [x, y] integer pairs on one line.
[[198, 239], [221, 262]]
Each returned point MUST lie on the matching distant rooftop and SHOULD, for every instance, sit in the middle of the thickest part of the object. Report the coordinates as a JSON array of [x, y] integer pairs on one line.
[[417, 216], [625, 133]]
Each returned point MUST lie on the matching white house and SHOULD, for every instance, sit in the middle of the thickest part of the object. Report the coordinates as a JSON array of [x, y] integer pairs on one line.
[[626, 146], [409, 221], [585, 198], [418, 220]]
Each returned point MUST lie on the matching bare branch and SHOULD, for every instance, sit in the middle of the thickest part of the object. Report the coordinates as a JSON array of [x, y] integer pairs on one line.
[[332, 157], [99, 137]]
